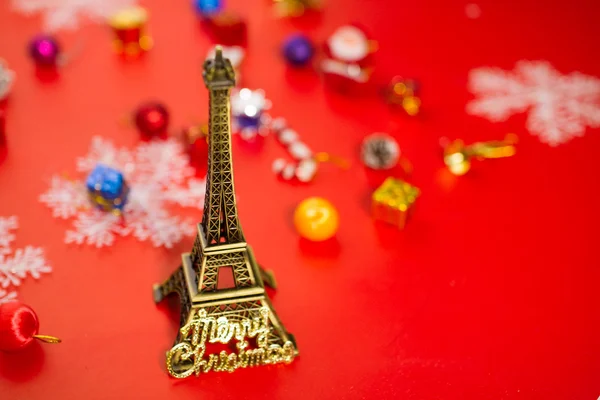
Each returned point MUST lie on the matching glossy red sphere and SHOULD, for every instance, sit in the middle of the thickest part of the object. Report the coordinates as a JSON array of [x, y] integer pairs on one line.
[[194, 139], [152, 119], [18, 324]]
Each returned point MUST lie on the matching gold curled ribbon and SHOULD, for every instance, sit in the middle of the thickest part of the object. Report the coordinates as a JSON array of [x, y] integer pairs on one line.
[[47, 339]]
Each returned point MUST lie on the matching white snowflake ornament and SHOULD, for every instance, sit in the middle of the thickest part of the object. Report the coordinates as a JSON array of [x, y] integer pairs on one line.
[[6, 296], [7, 225], [18, 265], [158, 175], [59, 14], [560, 107]]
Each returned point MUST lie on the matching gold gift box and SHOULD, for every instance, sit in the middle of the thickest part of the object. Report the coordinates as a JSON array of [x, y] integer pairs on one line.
[[393, 201]]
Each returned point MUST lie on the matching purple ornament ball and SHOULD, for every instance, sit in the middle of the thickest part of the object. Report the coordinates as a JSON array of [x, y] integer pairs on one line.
[[44, 50], [298, 50]]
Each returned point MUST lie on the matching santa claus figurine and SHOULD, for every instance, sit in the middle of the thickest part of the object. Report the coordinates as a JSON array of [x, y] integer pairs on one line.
[[348, 62]]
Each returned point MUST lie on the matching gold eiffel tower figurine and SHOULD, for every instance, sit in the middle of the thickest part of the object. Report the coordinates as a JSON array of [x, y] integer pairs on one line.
[[231, 327]]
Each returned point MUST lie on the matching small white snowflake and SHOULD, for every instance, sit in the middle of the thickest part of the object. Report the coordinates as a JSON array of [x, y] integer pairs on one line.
[[560, 106], [65, 197], [158, 175], [5, 296], [7, 225], [15, 267], [60, 14], [28, 261]]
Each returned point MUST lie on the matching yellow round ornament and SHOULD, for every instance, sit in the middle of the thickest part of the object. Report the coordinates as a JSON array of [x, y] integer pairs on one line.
[[316, 219]]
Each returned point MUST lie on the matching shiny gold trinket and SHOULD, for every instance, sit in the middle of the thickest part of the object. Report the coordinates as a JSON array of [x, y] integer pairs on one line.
[[457, 155], [393, 201], [227, 320]]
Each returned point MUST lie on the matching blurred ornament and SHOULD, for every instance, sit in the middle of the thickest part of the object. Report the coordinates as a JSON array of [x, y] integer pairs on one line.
[[349, 43], [404, 93], [348, 63], [227, 27], [7, 78], [248, 110], [296, 8], [316, 219], [305, 164], [472, 11], [152, 119], [66, 13], [129, 30], [19, 325], [207, 8], [107, 189], [298, 50], [45, 51], [195, 142], [380, 151], [393, 201], [457, 155]]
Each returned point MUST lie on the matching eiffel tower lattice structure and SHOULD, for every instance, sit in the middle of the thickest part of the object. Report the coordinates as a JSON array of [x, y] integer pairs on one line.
[[222, 328]]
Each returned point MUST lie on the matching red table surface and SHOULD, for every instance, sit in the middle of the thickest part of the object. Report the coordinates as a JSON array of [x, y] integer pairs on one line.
[[489, 293]]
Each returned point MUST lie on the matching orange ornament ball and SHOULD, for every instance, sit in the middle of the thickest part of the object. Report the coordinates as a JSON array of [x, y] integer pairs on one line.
[[316, 219]]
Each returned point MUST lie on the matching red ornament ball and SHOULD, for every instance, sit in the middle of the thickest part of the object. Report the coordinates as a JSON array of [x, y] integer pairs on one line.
[[18, 325], [152, 119], [228, 28], [195, 142]]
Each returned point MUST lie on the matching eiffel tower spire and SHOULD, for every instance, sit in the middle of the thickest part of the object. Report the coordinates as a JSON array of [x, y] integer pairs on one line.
[[220, 220], [211, 311]]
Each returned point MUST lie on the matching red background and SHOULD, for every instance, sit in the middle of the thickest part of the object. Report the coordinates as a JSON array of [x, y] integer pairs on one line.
[[489, 293]]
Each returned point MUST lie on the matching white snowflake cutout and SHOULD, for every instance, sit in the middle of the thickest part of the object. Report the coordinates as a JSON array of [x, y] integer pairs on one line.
[[15, 267], [560, 106], [65, 197], [27, 261], [60, 14], [7, 225], [159, 176], [6, 296]]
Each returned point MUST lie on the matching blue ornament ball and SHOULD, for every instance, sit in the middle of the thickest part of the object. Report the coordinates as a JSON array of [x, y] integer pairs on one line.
[[107, 188], [208, 8], [298, 50]]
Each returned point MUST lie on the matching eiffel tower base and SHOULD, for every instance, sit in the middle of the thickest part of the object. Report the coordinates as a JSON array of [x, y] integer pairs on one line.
[[182, 359]]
